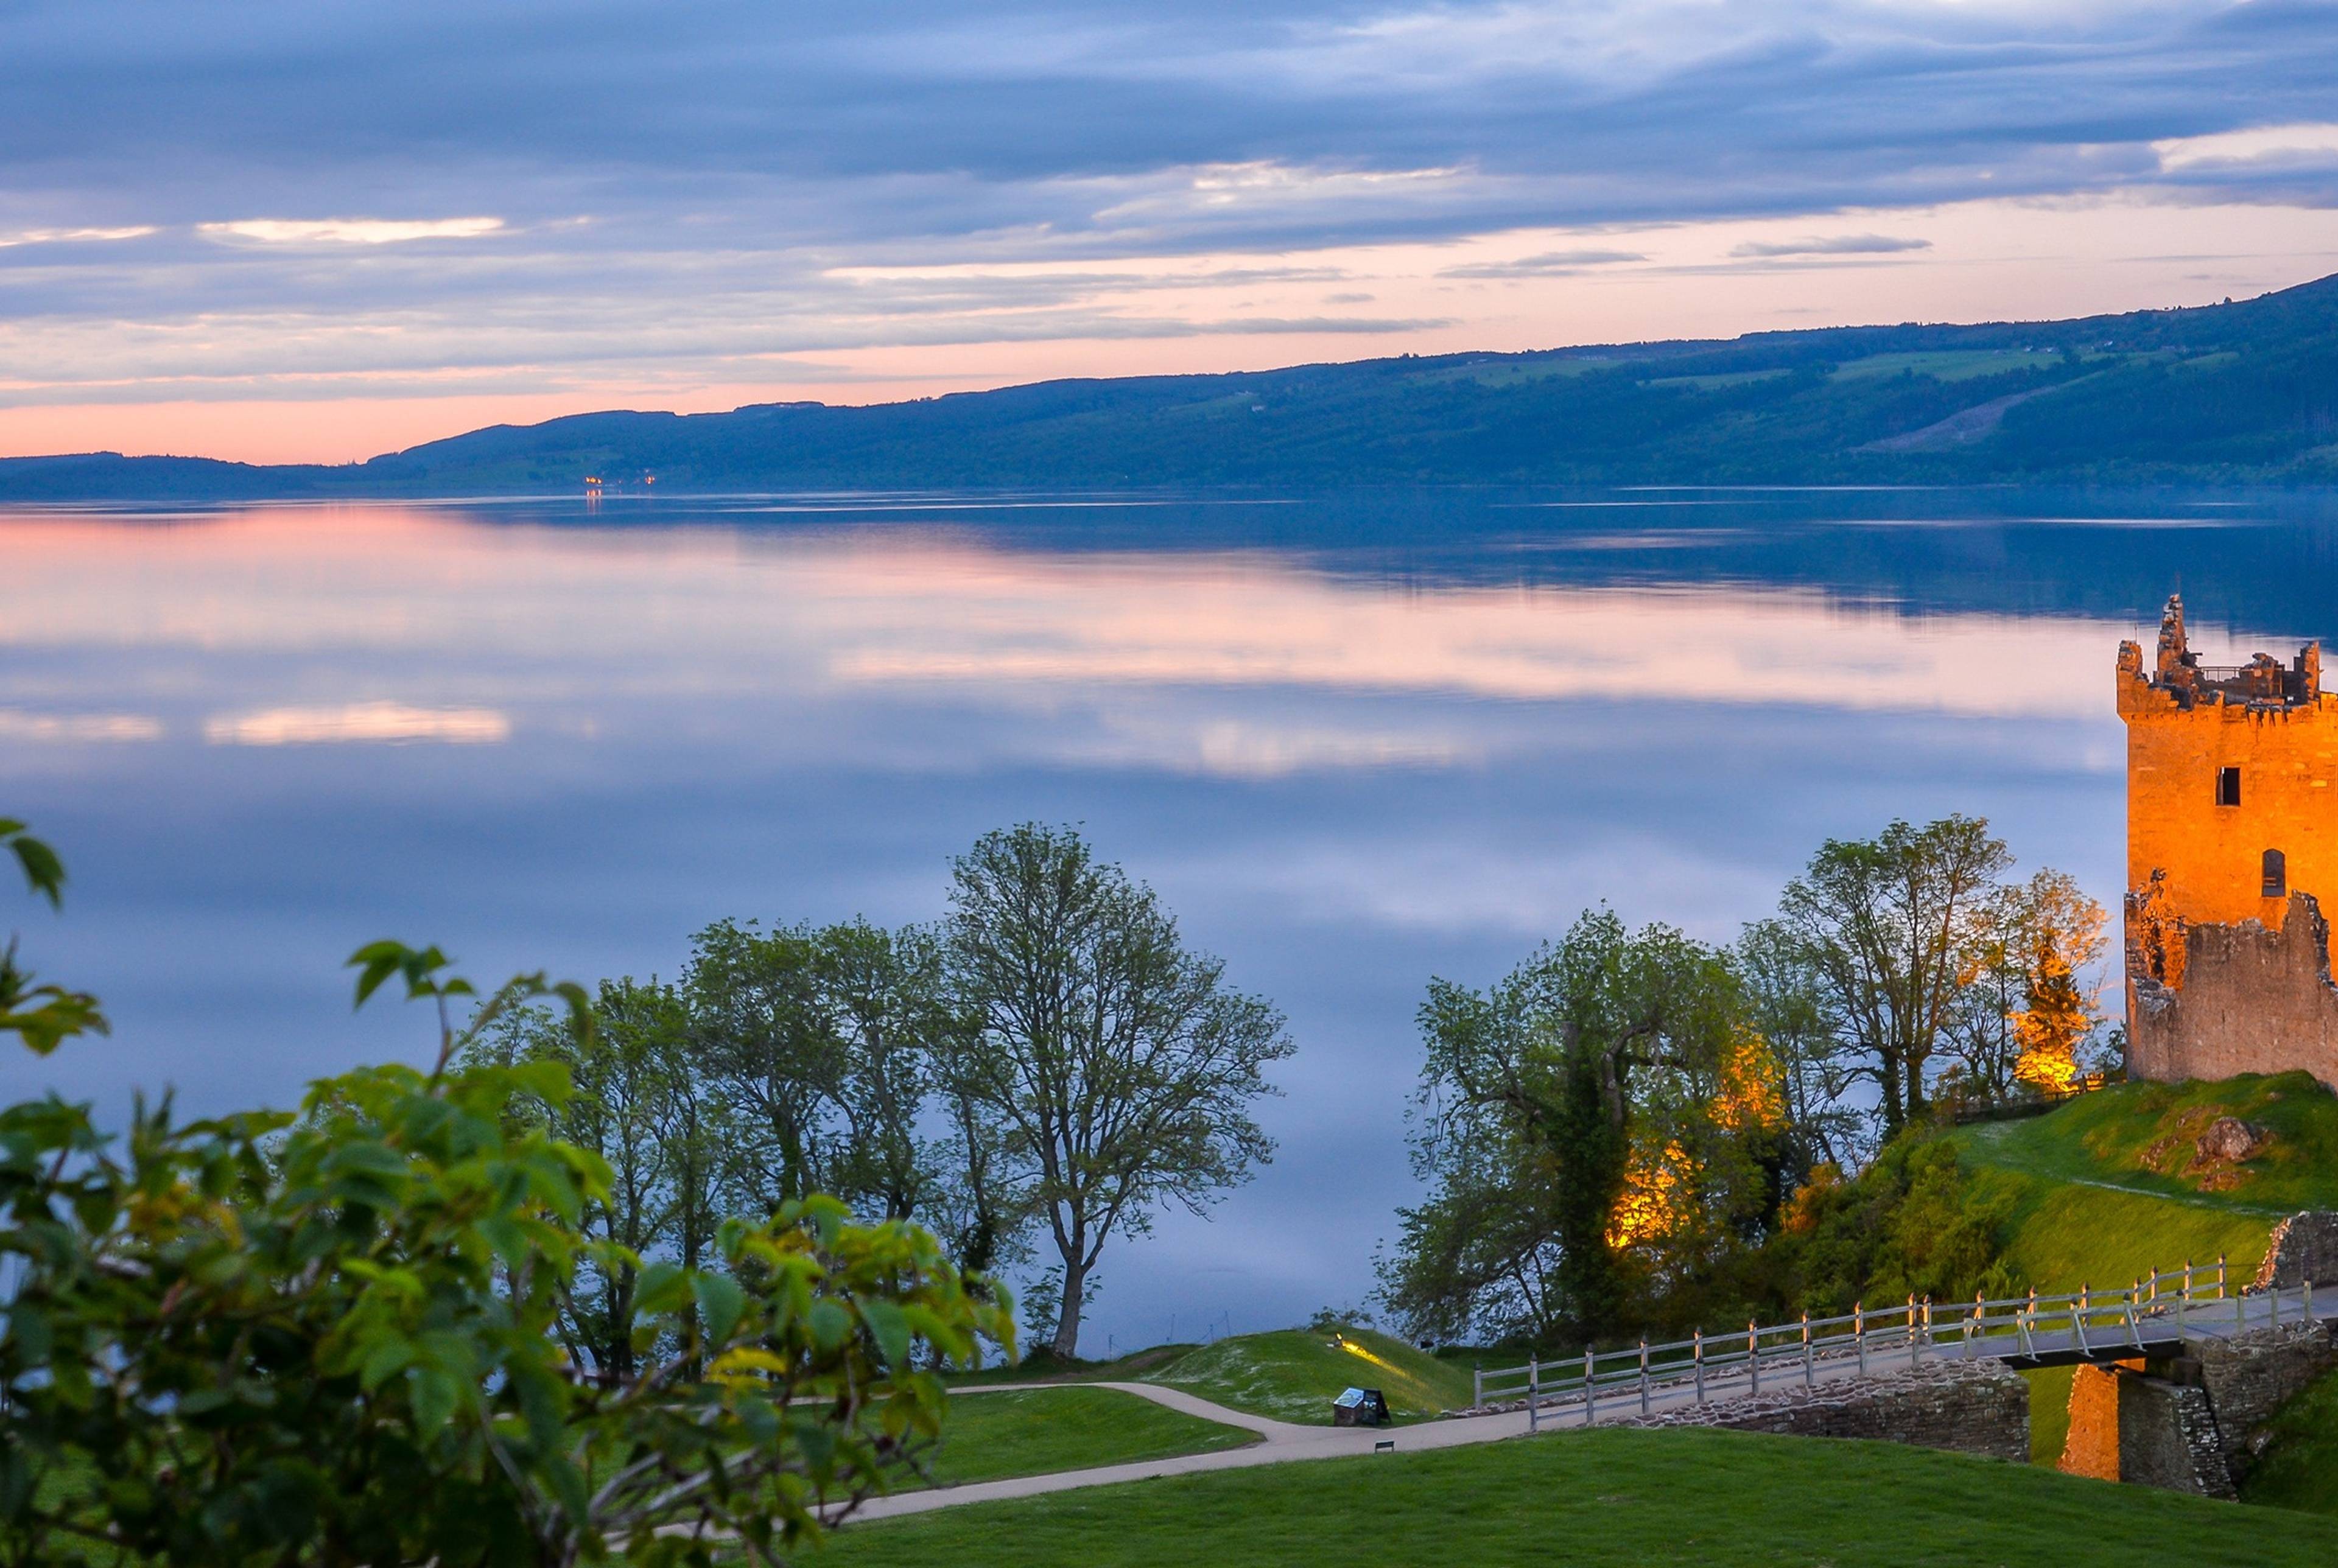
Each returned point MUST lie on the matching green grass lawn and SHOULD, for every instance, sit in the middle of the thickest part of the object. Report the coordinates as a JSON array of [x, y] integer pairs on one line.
[[1605, 1500], [986, 1436], [2101, 1192], [2299, 1468], [1295, 1375]]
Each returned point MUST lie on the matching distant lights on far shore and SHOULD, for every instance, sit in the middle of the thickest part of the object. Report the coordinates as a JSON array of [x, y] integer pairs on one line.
[[595, 485]]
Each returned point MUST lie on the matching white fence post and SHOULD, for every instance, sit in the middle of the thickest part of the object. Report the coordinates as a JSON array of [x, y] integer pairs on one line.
[[1810, 1374], [1643, 1375], [1590, 1386], [1477, 1385], [1534, 1392], [1699, 1353], [1754, 1353], [1858, 1327]]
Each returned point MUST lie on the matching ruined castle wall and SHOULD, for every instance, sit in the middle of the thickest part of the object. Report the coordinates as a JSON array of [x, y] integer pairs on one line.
[[2251, 1377], [2211, 857], [2253, 999], [2305, 1248], [1966, 1407]]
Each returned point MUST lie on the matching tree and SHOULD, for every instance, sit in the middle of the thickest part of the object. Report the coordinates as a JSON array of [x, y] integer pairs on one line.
[[881, 995], [2062, 942], [759, 1030], [330, 1338], [1605, 1096], [2024, 1010], [1117, 1063], [1787, 1004], [1887, 921], [633, 1100]]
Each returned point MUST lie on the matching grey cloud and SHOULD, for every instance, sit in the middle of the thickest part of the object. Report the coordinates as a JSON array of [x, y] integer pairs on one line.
[[1550, 264], [1837, 245], [727, 158]]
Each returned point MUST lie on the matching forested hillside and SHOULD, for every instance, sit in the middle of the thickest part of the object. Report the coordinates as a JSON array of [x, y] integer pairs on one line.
[[2236, 391]]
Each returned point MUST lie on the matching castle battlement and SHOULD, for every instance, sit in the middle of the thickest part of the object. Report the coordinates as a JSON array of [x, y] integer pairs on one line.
[[2232, 803]]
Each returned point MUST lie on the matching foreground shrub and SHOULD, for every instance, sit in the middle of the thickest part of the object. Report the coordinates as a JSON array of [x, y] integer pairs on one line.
[[332, 1338]]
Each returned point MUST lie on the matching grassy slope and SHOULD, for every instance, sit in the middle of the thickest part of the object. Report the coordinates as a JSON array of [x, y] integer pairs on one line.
[[2297, 1468], [1132, 1367], [2100, 1194], [989, 1435], [2094, 1205], [1596, 1499], [1295, 1375]]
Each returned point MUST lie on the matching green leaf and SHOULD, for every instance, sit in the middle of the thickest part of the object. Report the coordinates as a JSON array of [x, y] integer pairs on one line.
[[721, 1302], [435, 1395], [891, 1326], [44, 872]]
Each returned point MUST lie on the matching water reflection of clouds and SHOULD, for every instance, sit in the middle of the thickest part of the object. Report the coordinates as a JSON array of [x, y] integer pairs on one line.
[[358, 721], [511, 615], [1344, 778]]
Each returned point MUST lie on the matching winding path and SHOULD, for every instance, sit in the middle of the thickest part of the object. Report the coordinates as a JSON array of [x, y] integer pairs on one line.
[[1285, 1441], [1279, 1442]]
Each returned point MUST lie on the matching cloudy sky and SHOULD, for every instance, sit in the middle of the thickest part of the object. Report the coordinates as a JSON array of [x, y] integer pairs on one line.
[[322, 229]]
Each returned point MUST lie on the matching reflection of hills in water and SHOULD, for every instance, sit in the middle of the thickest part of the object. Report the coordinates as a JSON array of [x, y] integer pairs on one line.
[[2262, 562]]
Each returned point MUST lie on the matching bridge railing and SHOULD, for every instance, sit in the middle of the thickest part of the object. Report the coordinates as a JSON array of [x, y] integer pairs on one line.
[[1781, 1354]]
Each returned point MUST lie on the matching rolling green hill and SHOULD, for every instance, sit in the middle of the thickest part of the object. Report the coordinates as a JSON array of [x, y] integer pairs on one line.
[[2246, 390]]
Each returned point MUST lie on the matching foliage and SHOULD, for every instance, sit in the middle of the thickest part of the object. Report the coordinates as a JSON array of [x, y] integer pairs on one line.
[[333, 1337], [2026, 1010], [1602, 1114], [635, 1099], [1911, 1224], [1608, 1498], [1117, 1066], [1887, 922], [42, 1016]]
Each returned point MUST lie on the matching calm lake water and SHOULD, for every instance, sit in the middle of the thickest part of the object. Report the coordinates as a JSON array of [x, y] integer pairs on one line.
[[1354, 742]]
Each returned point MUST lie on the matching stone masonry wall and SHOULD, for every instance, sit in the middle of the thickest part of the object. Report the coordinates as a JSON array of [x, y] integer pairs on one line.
[[1967, 1407], [2304, 1247], [2253, 999], [2250, 1375]]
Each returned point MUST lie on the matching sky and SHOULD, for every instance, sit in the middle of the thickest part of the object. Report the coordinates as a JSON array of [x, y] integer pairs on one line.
[[320, 230]]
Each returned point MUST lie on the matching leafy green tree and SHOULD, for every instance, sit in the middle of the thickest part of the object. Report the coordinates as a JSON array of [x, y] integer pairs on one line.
[[1889, 921], [760, 1030], [1117, 1063], [1537, 1096], [331, 1339], [1787, 1004], [634, 1100]]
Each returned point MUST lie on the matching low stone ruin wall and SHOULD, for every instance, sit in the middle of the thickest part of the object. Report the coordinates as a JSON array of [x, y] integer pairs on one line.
[[1964, 1406], [2304, 1247], [2251, 1377]]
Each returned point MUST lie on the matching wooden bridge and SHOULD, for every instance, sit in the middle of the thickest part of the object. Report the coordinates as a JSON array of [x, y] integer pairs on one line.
[[2151, 1321]]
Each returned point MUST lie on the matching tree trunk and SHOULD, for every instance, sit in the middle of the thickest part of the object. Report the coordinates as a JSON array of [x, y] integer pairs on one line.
[[1067, 1345]]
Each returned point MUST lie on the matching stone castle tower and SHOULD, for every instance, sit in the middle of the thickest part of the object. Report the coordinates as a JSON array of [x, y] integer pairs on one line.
[[2232, 843]]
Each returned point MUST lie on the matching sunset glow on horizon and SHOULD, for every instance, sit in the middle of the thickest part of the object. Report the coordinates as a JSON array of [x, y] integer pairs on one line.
[[198, 258]]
